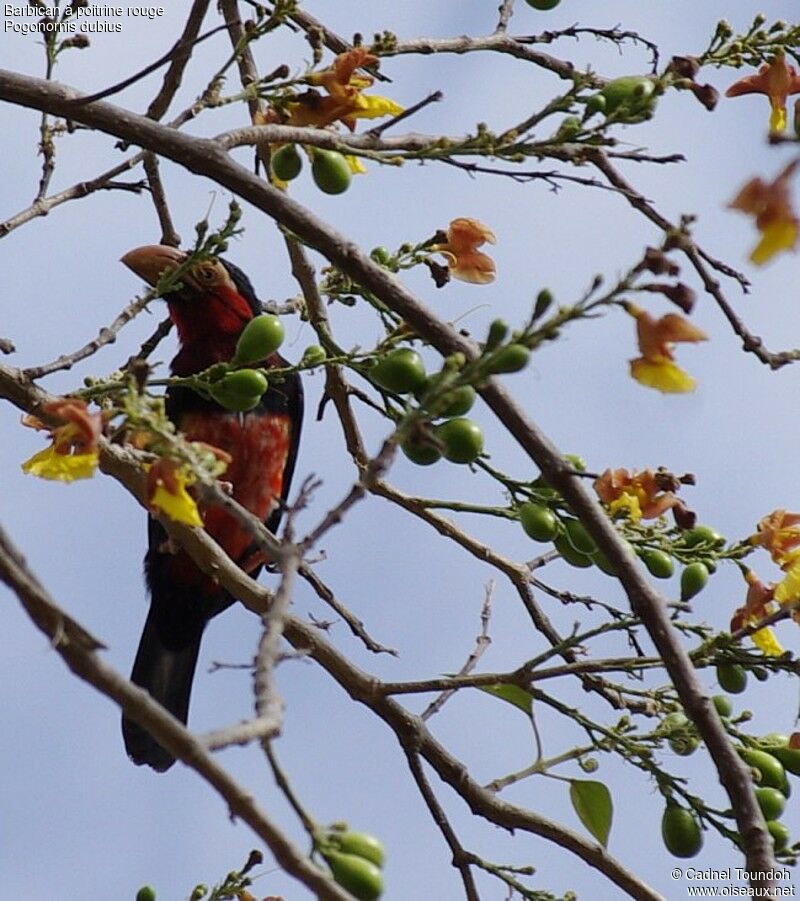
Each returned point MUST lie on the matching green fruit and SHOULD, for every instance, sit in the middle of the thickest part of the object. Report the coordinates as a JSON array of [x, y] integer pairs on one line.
[[498, 331], [359, 876], [462, 440], [684, 745], [658, 563], [633, 93], [511, 358], [362, 845], [146, 893], [459, 401], [704, 535], [674, 721], [569, 128], [693, 580], [570, 555], [543, 4], [544, 298], [596, 104], [538, 522], [788, 757], [380, 255], [286, 162], [401, 371], [313, 355], [723, 705], [576, 461], [330, 171], [771, 772], [240, 390], [780, 834], [578, 537], [681, 831], [262, 336], [771, 801], [423, 453], [732, 678]]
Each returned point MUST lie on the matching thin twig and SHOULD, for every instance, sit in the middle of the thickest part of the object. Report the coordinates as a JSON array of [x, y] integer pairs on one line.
[[460, 858], [174, 53], [378, 130], [481, 644], [179, 55], [169, 236], [499, 42], [107, 335], [506, 11], [356, 626], [162, 330]]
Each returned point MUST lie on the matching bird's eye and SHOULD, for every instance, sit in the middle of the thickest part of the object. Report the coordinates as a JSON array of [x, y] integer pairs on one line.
[[207, 273]]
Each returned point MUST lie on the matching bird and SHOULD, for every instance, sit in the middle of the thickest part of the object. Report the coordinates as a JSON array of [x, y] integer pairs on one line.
[[211, 308]]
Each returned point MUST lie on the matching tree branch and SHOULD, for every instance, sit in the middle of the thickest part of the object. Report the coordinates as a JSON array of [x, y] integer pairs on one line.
[[206, 157]]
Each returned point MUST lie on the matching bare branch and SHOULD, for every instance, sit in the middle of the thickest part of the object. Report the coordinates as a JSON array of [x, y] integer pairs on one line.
[[481, 644]]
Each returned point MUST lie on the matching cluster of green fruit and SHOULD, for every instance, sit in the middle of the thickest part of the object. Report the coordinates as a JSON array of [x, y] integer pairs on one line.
[[329, 169], [240, 389], [457, 439], [570, 538], [769, 759], [356, 860]]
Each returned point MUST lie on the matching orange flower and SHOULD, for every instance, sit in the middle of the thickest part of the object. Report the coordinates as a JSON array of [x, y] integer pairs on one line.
[[759, 603], [74, 453], [640, 493], [770, 203], [779, 533], [344, 101], [656, 337], [777, 80], [465, 261]]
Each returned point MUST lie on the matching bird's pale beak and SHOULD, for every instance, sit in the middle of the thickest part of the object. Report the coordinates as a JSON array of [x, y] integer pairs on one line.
[[152, 261]]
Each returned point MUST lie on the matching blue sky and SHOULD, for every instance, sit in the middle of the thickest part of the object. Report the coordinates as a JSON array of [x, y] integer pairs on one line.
[[82, 822]]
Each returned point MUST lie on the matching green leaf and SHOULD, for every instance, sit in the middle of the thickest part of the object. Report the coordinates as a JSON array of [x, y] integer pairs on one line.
[[512, 694], [592, 803]]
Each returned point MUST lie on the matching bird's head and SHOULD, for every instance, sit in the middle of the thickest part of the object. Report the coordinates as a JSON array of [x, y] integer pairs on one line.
[[216, 298]]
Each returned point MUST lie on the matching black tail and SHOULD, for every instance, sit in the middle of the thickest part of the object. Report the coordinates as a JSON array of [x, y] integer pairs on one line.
[[164, 666]]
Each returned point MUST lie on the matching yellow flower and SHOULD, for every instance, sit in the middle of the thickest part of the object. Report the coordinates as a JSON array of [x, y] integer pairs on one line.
[[656, 337], [629, 503], [167, 482], [355, 165], [50, 463], [788, 589], [759, 603], [643, 494], [770, 204], [779, 533], [662, 374], [766, 641], [73, 453], [777, 81], [344, 101], [775, 238]]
